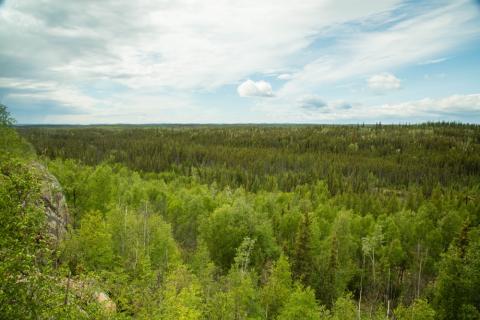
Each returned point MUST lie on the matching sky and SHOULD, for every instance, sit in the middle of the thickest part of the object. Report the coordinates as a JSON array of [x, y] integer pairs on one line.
[[249, 61]]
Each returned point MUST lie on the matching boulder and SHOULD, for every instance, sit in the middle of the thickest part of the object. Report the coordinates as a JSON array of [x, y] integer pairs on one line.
[[104, 300]]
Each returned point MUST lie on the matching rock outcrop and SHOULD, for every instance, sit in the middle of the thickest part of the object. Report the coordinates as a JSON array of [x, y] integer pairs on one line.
[[104, 300], [56, 211], [54, 201], [87, 291]]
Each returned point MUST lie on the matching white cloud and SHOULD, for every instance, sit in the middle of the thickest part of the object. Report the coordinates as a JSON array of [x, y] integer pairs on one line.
[[53, 91], [433, 61], [176, 44], [384, 82], [451, 108], [414, 39], [285, 76], [466, 105], [251, 88], [455, 107], [142, 46]]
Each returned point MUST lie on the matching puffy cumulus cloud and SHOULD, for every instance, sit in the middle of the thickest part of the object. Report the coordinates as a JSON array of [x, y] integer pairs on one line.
[[384, 82], [251, 88]]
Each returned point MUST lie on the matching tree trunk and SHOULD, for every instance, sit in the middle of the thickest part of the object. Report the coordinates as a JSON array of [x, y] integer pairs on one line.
[[67, 289], [361, 290]]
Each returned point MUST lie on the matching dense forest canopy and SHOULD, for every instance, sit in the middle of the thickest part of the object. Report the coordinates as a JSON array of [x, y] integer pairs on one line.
[[349, 158], [247, 222]]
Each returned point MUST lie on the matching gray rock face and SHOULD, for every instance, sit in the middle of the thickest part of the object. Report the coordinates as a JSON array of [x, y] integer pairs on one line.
[[54, 201]]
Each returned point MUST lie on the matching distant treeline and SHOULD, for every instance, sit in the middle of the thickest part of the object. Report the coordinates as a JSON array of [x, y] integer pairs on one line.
[[353, 158]]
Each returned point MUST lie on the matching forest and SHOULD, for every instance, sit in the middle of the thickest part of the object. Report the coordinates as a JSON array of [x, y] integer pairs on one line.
[[244, 221]]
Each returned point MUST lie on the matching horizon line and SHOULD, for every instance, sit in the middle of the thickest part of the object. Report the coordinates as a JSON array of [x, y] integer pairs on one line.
[[247, 123]]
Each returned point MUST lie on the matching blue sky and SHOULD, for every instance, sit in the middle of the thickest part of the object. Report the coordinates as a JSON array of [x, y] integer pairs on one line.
[[185, 61]]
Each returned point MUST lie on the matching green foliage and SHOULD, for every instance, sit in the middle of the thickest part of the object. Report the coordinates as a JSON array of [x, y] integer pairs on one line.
[[278, 288], [226, 228], [182, 296], [29, 286], [301, 305], [418, 310], [344, 308], [303, 255], [363, 159], [246, 222], [236, 298], [11, 144], [24, 286], [6, 119], [339, 250], [456, 294], [93, 243]]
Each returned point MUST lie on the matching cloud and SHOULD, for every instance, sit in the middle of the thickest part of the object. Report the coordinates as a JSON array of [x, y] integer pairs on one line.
[[165, 46], [311, 102], [451, 108], [432, 61], [384, 82], [47, 92], [285, 76], [170, 52], [388, 43], [464, 108], [251, 88], [463, 105], [174, 44], [341, 105], [54, 102]]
